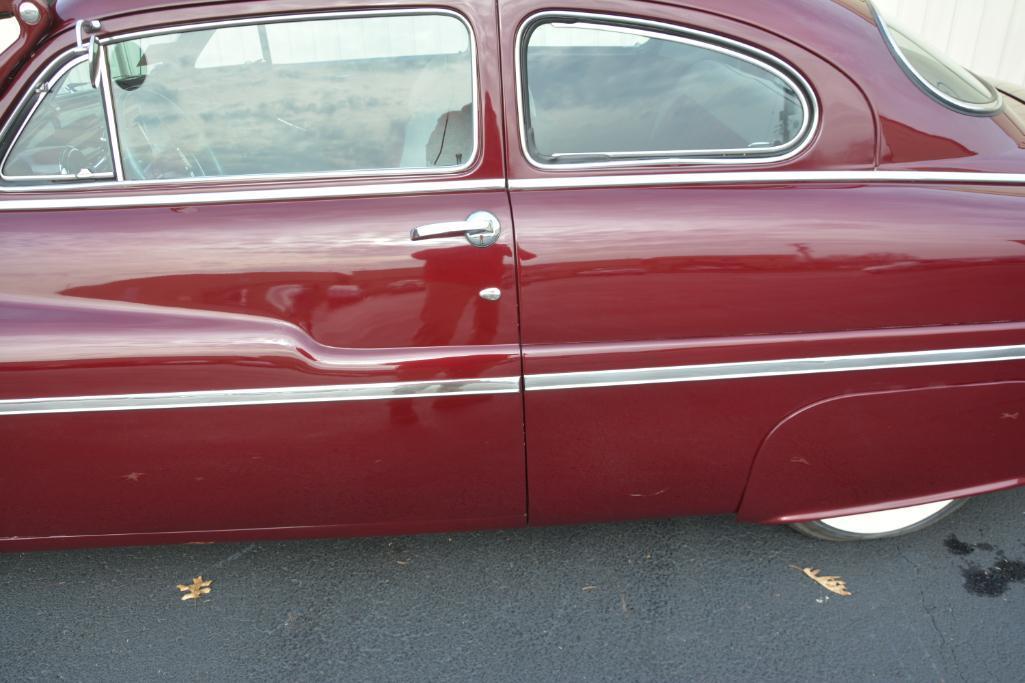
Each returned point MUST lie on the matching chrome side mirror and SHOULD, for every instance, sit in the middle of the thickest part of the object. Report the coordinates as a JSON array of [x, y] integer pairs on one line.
[[91, 27], [95, 61]]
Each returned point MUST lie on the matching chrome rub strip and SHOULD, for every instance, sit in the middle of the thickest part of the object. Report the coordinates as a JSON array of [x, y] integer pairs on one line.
[[771, 368], [510, 385], [120, 200], [255, 397]]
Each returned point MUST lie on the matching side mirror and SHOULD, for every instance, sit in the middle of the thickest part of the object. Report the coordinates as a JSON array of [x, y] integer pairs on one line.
[[91, 27], [95, 61]]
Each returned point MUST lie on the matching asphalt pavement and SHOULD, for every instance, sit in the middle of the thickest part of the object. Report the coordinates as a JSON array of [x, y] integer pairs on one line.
[[702, 599]]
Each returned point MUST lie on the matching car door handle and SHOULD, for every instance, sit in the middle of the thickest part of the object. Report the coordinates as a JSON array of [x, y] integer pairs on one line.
[[481, 229]]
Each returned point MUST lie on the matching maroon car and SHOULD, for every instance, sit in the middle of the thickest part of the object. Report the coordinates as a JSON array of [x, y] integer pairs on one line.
[[286, 269]]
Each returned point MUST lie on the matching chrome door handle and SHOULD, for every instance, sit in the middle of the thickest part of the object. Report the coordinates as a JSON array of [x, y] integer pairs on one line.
[[481, 229]]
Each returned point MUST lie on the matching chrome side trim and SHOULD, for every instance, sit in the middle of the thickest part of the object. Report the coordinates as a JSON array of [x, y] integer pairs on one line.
[[665, 31], [551, 183], [766, 178], [772, 368], [262, 195], [255, 397], [509, 385]]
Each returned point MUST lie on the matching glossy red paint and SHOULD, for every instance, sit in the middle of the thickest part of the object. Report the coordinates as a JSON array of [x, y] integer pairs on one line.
[[258, 295], [855, 452], [331, 291], [676, 275]]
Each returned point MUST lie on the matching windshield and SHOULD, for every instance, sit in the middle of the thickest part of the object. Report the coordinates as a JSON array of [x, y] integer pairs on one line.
[[939, 76]]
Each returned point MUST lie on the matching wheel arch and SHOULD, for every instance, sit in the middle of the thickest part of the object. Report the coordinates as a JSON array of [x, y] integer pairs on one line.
[[856, 453]]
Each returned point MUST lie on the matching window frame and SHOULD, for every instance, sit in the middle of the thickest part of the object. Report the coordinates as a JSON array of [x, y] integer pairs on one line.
[[41, 88], [62, 62], [994, 106], [685, 35]]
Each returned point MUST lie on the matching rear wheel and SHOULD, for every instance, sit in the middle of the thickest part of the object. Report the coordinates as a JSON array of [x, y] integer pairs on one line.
[[882, 524]]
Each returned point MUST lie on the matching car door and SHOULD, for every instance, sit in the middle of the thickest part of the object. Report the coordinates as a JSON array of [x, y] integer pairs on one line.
[[706, 249], [260, 282]]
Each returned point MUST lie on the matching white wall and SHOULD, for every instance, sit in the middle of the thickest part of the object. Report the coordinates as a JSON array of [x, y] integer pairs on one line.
[[987, 36]]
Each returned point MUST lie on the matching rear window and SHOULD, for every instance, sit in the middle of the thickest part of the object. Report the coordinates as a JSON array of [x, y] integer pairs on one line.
[[939, 76]]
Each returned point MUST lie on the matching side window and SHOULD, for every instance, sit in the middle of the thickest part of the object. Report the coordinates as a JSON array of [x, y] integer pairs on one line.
[[938, 76], [65, 135], [347, 94], [595, 92]]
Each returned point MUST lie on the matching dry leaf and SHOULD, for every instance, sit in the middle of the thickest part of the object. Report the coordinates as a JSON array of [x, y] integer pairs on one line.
[[833, 584], [195, 589]]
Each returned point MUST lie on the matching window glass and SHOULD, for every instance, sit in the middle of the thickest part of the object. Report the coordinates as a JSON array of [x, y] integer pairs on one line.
[[242, 45], [596, 92], [66, 136], [937, 74], [347, 94]]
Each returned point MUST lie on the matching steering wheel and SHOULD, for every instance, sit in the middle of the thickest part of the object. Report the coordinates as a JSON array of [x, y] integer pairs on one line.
[[154, 129]]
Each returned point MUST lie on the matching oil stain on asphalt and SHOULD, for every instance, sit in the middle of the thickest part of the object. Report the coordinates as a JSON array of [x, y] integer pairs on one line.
[[992, 581]]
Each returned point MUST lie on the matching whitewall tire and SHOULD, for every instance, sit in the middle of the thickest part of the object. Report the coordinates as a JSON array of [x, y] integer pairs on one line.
[[882, 524]]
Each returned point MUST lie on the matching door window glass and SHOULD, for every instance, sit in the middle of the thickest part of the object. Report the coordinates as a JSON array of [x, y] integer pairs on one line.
[[351, 94], [65, 137], [595, 92]]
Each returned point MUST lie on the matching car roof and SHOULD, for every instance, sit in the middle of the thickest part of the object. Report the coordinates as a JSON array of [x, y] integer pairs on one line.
[[73, 10]]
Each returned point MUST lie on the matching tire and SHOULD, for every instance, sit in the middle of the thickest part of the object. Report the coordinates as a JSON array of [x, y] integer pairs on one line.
[[883, 524]]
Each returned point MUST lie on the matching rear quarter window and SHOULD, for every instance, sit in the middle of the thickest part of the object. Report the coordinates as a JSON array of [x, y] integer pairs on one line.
[[600, 90], [940, 77]]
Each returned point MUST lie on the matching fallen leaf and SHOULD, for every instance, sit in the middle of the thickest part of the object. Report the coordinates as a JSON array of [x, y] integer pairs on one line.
[[195, 589], [833, 584]]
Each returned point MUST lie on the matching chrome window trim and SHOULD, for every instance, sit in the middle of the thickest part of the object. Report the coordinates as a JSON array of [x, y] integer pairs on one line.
[[923, 83], [703, 39], [122, 200], [326, 16], [765, 178], [108, 106], [255, 397], [772, 368], [370, 174], [41, 87]]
